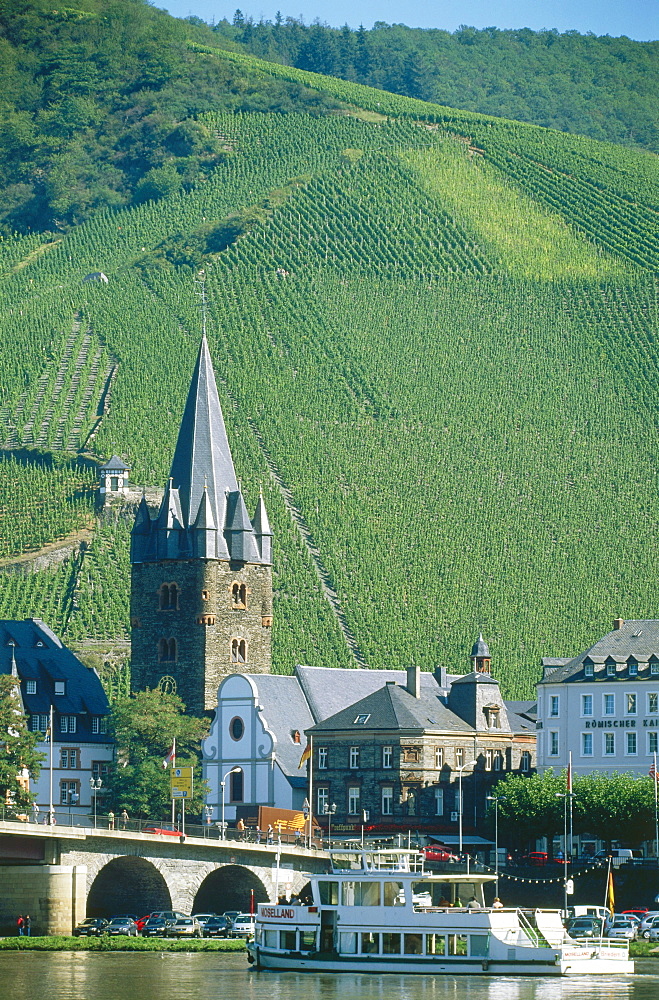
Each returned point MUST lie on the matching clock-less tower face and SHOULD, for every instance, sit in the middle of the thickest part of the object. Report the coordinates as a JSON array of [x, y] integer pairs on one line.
[[201, 578]]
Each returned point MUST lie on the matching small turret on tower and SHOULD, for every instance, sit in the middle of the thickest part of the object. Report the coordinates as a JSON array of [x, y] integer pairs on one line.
[[480, 656]]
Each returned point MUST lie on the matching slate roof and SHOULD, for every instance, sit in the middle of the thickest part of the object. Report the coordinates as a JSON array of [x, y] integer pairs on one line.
[[203, 514], [115, 463], [392, 707], [40, 656], [480, 648], [330, 689], [638, 639]]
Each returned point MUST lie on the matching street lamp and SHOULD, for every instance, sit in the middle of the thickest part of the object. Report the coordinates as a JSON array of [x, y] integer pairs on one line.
[[460, 768], [223, 830], [495, 799], [329, 812], [95, 784]]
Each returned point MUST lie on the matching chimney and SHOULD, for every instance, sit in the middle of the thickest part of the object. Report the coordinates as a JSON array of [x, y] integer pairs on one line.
[[414, 681], [618, 623]]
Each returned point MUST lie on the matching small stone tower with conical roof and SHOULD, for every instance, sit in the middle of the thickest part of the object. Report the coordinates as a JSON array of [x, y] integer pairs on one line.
[[480, 656], [201, 582]]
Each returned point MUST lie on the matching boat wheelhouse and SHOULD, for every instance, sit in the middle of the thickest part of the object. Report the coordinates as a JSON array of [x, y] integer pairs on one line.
[[381, 911]]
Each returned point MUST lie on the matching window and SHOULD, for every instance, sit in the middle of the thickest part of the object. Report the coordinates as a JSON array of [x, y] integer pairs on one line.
[[67, 723], [387, 800], [322, 798], [439, 758], [631, 704], [609, 703], [588, 670], [439, 801], [69, 758], [630, 743], [361, 720], [553, 744], [609, 744], [100, 769], [633, 668], [322, 758], [168, 597], [525, 762], [353, 800], [238, 651], [387, 758], [167, 651], [239, 596], [459, 757], [488, 760], [586, 744], [653, 742], [654, 667], [586, 704], [60, 687], [39, 723], [653, 703], [354, 758], [236, 728], [69, 793], [30, 687], [99, 724], [553, 706], [498, 761], [237, 784], [610, 670]]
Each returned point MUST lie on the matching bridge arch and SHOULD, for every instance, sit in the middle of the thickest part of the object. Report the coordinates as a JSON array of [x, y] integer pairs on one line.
[[229, 887], [127, 884]]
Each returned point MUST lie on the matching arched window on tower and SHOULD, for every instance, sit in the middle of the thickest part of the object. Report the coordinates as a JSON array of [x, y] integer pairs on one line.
[[239, 595], [238, 651], [167, 651], [236, 790], [168, 594]]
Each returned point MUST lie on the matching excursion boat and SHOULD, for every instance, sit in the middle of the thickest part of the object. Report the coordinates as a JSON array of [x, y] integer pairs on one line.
[[380, 911]]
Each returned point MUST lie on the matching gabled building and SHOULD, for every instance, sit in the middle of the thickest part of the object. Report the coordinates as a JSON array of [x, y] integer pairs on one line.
[[201, 579], [602, 706], [55, 685]]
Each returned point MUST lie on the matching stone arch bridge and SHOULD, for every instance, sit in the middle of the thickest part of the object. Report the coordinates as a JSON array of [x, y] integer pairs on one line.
[[60, 875]]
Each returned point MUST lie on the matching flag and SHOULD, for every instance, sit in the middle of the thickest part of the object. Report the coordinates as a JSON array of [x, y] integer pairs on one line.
[[569, 775], [171, 756], [305, 756], [653, 772], [610, 896]]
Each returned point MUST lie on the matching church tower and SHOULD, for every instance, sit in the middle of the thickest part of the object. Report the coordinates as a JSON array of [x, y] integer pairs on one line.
[[201, 578]]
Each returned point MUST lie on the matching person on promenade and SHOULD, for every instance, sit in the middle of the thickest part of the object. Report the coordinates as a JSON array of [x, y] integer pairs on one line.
[[20, 923], [27, 924], [124, 819], [110, 820]]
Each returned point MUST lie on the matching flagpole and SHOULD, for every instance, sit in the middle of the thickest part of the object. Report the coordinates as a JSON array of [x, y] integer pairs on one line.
[[311, 791], [170, 784], [50, 793], [570, 798]]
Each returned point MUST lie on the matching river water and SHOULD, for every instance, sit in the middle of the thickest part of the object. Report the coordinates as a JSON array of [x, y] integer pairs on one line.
[[206, 976]]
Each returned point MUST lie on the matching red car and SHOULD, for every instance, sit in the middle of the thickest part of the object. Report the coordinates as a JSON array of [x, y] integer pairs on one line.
[[535, 858], [166, 828], [436, 852]]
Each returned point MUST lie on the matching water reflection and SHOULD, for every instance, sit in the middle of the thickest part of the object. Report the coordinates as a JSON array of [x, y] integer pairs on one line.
[[159, 976]]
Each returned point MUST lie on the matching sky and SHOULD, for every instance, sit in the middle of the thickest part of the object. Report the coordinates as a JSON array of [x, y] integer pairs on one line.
[[638, 19]]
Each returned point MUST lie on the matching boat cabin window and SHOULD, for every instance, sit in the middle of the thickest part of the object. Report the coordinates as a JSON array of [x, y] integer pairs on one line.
[[435, 944], [288, 940], [413, 944], [391, 944], [348, 943], [478, 945], [329, 893], [370, 943], [360, 893], [457, 944], [307, 940], [394, 894], [270, 939]]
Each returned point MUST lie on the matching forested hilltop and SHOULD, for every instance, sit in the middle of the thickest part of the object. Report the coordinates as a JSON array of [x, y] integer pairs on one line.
[[436, 339], [598, 86]]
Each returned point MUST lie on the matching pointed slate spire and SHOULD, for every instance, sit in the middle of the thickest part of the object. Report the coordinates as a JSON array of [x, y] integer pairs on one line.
[[202, 454], [262, 531], [238, 531], [208, 541]]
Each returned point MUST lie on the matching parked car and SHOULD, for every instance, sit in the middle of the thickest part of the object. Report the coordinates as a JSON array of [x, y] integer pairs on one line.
[[184, 927], [654, 930], [232, 914], [121, 925], [155, 927], [584, 927], [142, 920], [436, 852], [243, 925], [622, 927], [535, 858], [90, 927], [203, 918], [161, 829], [619, 856], [218, 926], [646, 922]]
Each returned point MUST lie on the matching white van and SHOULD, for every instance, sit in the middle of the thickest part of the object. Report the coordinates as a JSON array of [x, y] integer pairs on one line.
[[619, 856], [589, 911]]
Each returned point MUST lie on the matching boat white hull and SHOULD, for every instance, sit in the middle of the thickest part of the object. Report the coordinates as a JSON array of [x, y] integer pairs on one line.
[[554, 965]]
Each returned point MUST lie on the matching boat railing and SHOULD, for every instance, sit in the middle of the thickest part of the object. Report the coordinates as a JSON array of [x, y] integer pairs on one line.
[[529, 927]]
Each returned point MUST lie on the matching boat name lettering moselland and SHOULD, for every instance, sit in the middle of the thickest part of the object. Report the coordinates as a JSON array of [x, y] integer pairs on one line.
[[278, 912]]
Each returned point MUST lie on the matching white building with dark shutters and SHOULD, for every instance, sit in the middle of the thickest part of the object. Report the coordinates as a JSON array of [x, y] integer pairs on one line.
[[602, 705]]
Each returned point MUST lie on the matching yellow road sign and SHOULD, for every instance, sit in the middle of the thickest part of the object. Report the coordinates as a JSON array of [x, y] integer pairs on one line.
[[181, 782]]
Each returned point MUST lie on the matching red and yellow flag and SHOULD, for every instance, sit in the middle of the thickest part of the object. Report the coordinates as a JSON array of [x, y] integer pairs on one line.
[[305, 756], [610, 896]]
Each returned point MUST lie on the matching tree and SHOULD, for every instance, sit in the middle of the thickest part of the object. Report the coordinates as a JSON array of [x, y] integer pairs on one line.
[[19, 757], [144, 726], [529, 808], [616, 807]]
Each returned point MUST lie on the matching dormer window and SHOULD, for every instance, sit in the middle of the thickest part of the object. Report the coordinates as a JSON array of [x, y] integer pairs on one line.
[[492, 716], [633, 668], [39, 644], [654, 667], [295, 736], [588, 670], [610, 669], [30, 687], [60, 687]]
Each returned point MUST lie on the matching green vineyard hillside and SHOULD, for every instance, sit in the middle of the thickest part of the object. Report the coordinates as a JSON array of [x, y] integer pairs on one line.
[[435, 336]]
